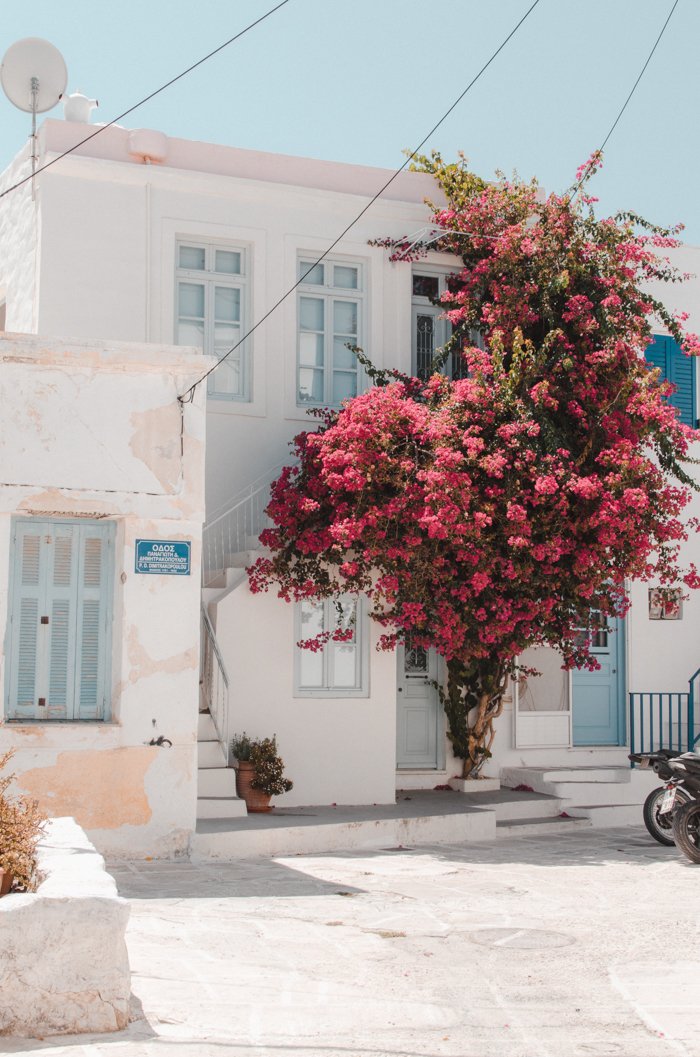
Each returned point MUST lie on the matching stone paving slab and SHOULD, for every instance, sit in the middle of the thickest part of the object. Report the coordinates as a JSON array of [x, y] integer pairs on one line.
[[583, 945]]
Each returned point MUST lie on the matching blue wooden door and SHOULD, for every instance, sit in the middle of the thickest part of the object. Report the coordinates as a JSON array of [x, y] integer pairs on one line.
[[60, 620], [598, 697]]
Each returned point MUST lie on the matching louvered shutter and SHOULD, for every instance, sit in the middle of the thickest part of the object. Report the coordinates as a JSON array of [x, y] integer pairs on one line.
[[60, 620], [62, 582], [678, 368], [93, 621], [28, 595]]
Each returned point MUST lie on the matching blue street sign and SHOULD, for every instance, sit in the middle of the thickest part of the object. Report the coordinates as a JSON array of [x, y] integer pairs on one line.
[[163, 557]]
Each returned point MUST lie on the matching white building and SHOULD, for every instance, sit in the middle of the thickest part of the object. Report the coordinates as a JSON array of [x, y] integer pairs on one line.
[[137, 238]]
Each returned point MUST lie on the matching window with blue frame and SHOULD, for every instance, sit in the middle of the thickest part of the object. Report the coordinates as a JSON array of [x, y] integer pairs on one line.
[[676, 367]]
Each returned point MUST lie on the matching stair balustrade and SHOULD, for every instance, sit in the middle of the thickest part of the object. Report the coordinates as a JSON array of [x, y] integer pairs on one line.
[[664, 720], [232, 528], [213, 682]]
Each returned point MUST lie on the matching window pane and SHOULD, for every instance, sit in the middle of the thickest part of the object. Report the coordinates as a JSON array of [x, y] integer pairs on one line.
[[344, 654], [227, 380], [311, 662], [192, 257], [315, 276], [425, 345], [344, 386], [225, 337], [426, 286], [227, 261], [310, 386], [190, 333], [227, 304], [311, 313], [343, 358], [345, 317], [191, 300], [311, 350], [345, 277]]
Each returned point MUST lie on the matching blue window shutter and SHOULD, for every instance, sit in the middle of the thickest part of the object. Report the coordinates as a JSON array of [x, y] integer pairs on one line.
[[60, 620], [679, 369], [93, 620]]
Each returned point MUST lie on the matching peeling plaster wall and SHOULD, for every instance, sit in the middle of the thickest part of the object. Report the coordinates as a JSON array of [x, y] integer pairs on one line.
[[95, 430]]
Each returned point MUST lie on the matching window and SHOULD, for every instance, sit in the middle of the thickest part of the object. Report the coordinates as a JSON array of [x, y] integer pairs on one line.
[[60, 620], [330, 318], [678, 368], [430, 332], [339, 668], [212, 308]]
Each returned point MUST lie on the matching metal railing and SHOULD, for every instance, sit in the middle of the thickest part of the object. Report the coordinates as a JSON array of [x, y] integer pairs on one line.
[[664, 720], [235, 527], [213, 682]]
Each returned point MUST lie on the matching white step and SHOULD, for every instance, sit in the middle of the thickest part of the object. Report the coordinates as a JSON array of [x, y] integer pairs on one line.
[[541, 779], [511, 805], [210, 754], [590, 793], [220, 807], [240, 560], [536, 827], [216, 781], [604, 815], [206, 731]]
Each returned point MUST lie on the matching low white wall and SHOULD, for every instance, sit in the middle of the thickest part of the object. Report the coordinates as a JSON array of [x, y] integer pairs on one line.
[[64, 967]]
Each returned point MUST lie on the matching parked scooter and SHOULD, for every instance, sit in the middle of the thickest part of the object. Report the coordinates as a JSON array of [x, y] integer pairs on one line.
[[686, 817], [659, 807]]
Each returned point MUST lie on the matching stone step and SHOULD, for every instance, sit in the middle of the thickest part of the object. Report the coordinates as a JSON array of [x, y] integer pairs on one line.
[[606, 815], [512, 804], [541, 779], [589, 793], [206, 731], [210, 754], [220, 807], [216, 781], [540, 827]]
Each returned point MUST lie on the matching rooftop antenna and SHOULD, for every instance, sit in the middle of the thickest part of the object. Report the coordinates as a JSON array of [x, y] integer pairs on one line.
[[33, 77]]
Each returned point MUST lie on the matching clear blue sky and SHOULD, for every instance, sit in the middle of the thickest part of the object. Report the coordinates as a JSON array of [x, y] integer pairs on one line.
[[358, 80]]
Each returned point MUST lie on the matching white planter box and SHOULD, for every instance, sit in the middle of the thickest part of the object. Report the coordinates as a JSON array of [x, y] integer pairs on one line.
[[64, 967], [475, 785]]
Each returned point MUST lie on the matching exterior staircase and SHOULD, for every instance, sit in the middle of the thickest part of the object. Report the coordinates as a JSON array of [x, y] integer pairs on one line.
[[606, 796], [216, 781]]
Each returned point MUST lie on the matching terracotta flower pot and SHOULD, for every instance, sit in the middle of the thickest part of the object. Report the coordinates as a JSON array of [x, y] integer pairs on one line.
[[255, 799], [6, 879]]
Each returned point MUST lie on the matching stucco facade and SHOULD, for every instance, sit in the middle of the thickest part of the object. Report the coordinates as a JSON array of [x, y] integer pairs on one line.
[[94, 255], [93, 435]]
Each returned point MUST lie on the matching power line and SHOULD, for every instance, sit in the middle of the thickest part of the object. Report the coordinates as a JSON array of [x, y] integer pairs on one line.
[[146, 99], [189, 393], [624, 105]]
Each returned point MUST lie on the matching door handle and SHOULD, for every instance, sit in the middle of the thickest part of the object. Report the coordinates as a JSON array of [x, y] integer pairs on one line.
[[44, 620], [400, 689]]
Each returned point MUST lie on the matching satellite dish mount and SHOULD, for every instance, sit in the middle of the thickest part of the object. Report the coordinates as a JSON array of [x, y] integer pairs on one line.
[[33, 77]]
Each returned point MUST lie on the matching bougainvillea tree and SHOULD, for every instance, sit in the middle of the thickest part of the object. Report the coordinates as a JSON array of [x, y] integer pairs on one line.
[[509, 508]]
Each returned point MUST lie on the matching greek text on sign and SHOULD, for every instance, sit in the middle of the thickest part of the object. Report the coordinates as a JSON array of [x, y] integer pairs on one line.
[[163, 557]]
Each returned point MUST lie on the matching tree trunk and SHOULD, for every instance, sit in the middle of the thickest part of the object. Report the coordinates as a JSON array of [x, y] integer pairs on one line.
[[473, 700]]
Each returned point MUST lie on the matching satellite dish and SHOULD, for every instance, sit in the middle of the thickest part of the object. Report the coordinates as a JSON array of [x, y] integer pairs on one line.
[[33, 75]]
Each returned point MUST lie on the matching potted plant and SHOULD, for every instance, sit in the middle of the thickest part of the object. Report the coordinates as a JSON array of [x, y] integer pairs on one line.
[[259, 771]]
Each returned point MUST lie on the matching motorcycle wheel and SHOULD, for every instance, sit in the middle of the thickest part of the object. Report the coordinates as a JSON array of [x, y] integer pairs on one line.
[[661, 826], [686, 829]]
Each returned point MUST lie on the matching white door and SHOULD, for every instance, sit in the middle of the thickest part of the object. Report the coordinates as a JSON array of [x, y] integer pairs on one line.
[[418, 712]]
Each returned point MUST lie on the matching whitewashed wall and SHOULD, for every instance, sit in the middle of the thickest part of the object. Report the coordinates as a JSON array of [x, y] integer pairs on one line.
[[95, 430]]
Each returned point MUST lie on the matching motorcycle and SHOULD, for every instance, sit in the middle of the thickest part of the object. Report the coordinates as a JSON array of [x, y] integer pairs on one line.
[[686, 817], [659, 807]]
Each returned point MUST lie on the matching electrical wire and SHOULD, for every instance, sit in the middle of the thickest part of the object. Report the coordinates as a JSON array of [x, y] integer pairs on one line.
[[188, 395], [624, 105], [146, 99]]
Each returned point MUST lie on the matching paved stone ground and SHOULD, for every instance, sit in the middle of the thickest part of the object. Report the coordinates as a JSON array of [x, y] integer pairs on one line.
[[584, 945]]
